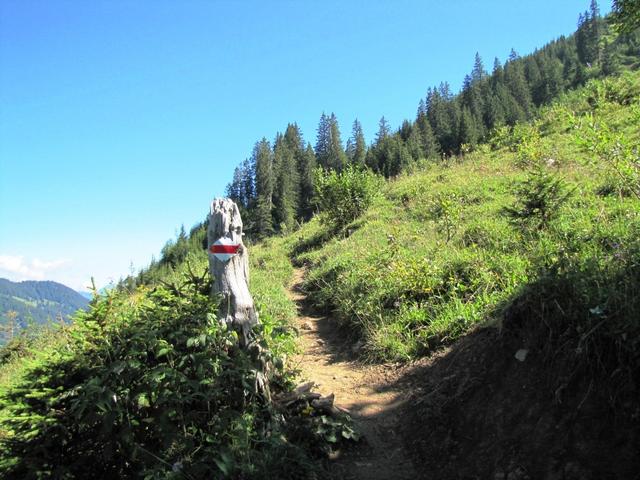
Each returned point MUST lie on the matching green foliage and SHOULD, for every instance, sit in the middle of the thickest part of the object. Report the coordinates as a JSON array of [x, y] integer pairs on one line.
[[445, 209], [613, 149], [437, 256], [345, 196], [626, 15], [609, 146], [538, 199], [147, 385]]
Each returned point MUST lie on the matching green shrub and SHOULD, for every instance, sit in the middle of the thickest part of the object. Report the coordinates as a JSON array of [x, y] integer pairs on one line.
[[344, 196], [148, 385], [538, 199]]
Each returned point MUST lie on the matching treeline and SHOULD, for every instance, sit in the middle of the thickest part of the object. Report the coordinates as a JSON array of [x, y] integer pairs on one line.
[[274, 187]]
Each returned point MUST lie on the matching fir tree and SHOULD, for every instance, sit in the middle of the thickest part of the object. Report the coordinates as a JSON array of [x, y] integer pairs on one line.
[[478, 73], [429, 144], [336, 158], [356, 146], [468, 129], [262, 160], [323, 141], [285, 193], [306, 166], [383, 130]]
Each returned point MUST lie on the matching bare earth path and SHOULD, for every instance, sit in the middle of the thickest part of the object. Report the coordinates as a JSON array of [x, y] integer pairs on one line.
[[371, 394]]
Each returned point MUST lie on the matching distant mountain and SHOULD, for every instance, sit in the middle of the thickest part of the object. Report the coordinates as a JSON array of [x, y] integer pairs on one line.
[[38, 302], [87, 295]]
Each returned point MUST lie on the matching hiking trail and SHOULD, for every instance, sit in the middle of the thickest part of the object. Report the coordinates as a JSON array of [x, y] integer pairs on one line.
[[371, 394]]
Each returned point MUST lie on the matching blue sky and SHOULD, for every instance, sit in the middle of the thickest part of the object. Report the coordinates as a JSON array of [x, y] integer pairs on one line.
[[120, 121]]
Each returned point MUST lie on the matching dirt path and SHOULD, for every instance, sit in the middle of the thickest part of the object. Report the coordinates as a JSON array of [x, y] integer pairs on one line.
[[370, 394]]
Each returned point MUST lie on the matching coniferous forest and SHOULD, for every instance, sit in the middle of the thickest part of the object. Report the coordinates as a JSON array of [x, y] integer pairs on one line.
[[274, 186]]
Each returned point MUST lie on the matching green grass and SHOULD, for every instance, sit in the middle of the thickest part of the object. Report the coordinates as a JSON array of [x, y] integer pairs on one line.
[[436, 256]]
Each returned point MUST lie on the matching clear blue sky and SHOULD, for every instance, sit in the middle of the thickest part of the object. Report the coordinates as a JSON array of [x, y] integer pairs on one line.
[[121, 120]]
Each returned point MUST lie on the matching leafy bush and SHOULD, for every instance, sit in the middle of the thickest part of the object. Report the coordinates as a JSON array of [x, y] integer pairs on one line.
[[617, 152], [149, 385], [343, 197]]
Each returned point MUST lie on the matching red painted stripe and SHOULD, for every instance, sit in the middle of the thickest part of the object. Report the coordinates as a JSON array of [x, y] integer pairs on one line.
[[232, 249]]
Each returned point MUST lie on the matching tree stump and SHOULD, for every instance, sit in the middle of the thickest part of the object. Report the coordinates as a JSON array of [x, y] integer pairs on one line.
[[229, 265]]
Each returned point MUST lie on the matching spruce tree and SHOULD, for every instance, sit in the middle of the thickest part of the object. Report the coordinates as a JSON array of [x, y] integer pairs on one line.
[[323, 141], [233, 190], [262, 160], [306, 167], [429, 144], [356, 146], [405, 130], [285, 193], [414, 143], [247, 187], [336, 158], [468, 129], [383, 130], [478, 73]]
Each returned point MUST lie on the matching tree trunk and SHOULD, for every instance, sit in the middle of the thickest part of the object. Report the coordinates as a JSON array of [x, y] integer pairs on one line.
[[230, 270]]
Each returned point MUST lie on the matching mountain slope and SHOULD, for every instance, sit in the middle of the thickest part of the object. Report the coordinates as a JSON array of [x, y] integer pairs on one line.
[[507, 280], [39, 301]]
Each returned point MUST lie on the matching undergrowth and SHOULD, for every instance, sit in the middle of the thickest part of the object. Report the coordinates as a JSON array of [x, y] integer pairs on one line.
[[148, 384]]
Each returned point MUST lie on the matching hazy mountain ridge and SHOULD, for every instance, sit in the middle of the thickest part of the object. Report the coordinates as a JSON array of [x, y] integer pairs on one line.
[[39, 301]]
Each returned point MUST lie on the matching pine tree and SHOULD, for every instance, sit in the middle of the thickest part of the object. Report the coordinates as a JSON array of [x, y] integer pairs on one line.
[[305, 161], [497, 75], [588, 35], [262, 160], [247, 187], [285, 193], [234, 188], [414, 143], [306, 166], [595, 32], [550, 84], [429, 144], [405, 130], [323, 142], [422, 108], [468, 129], [478, 73], [383, 130], [356, 146], [336, 158]]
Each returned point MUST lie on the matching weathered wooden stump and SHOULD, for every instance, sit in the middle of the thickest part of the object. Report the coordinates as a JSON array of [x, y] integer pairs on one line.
[[229, 265]]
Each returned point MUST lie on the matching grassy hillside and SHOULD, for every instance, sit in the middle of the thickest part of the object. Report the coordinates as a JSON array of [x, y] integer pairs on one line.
[[535, 235], [549, 209]]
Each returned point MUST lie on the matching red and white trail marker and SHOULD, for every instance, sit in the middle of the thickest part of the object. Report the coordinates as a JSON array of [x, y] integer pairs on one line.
[[224, 249]]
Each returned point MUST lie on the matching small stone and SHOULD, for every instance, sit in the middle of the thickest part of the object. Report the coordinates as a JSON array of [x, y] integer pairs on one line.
[[521, 355], [307, 326]]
